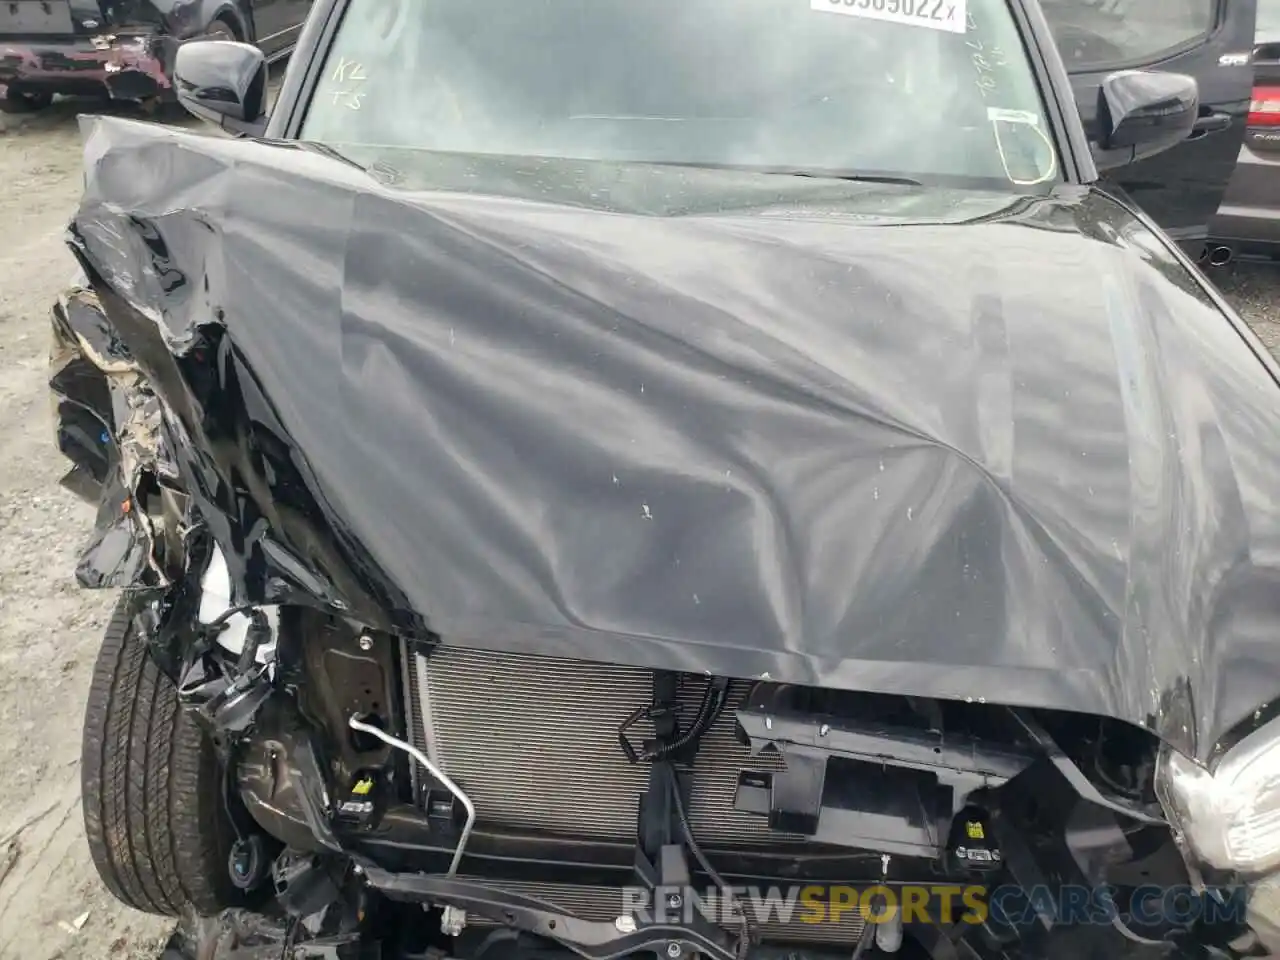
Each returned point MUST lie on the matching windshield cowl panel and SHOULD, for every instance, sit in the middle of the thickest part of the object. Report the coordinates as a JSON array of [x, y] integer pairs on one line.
[[921, 90]]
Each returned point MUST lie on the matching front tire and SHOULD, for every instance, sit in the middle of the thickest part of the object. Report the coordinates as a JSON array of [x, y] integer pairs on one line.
[[152, 786], [15, 101]]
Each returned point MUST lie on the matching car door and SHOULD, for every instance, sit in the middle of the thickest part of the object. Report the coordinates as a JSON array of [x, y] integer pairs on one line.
[[278, 23], [1210, 40]]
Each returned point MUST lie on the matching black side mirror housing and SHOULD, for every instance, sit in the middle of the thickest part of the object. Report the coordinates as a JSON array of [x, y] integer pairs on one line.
[[223, 82], [1142, 113]]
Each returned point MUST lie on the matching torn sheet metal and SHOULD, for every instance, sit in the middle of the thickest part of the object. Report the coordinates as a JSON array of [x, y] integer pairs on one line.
[[94, 374], [916, 441]]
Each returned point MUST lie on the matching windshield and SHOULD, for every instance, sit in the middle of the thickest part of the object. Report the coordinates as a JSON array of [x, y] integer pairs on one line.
[[913, 89]]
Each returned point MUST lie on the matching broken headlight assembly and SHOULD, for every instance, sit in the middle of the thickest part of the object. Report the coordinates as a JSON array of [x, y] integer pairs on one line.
[[1229, 817]]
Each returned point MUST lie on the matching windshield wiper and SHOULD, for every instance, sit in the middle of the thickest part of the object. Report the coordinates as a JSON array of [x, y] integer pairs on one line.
[[854, 177], [327, 150], [380, 168], [816, 174]]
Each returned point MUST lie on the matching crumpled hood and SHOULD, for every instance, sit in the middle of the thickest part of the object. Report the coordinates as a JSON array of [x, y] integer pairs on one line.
[[1019, 459]]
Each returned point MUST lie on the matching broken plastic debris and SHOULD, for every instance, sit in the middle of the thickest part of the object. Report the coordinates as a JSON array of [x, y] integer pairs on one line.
[[76, 925]]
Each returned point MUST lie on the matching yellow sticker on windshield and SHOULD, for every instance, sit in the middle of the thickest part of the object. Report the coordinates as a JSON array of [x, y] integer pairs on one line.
[[935, 14]]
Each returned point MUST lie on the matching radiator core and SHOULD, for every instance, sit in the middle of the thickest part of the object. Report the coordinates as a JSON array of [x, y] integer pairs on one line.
[[533, 741]]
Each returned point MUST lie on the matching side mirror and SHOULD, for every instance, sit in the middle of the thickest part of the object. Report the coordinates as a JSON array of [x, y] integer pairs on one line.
[[1141, 113], [223, 82]]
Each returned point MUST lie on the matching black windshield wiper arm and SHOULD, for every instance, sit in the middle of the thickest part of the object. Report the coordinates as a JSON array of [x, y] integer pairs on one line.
[[817, 174], [854, 177], [328, 150]]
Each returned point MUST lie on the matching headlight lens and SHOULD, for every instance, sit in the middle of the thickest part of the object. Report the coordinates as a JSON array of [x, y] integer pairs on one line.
[[1231, 817]]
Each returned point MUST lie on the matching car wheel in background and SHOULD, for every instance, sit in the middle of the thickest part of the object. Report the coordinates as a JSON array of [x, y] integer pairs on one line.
[[15, 101], [219, 30]]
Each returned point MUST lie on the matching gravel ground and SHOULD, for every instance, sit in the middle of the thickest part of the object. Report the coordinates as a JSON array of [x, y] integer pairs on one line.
[[1254, 290], [49, 627], [51, 902]]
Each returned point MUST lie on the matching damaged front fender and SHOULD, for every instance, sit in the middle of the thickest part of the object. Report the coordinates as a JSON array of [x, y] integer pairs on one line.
[[82, 398], [108, 423]]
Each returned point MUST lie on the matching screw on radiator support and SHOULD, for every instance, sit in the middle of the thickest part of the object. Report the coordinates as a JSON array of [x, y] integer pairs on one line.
[[824, 729], [674, 901], [452, 921], [674, 950], [366, 642], [625, 924]]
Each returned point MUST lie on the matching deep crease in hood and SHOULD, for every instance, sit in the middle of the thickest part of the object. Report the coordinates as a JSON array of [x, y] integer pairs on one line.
[[1006, 450]]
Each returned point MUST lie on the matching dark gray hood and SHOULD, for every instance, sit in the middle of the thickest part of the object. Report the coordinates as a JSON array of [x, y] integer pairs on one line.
[[1016, 457]]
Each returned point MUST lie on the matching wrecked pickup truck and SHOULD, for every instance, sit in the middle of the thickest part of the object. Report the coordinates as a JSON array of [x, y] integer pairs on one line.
[[611, 519]]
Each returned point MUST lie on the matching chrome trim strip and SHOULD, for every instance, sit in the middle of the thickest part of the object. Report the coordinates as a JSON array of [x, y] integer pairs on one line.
[[424, 702], [410, 712]]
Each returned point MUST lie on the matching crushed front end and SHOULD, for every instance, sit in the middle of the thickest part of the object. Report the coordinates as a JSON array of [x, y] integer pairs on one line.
[[406, 798], [561, 783], [539, 804]]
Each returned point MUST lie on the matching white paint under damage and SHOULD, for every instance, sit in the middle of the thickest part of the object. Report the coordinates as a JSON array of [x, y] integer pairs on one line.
[[215, 600]]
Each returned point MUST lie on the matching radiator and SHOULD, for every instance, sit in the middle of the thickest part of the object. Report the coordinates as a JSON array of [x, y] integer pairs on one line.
[[534, 742]]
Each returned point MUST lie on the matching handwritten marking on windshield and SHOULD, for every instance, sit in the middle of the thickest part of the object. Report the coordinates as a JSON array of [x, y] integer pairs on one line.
[[986, 61], [352, 100], [935, 14], [348, 70]]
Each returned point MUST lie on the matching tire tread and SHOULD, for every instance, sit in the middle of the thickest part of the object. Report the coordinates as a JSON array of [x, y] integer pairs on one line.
[[151, 786]]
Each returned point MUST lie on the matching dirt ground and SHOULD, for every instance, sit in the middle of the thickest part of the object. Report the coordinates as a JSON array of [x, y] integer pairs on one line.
[[51, 902], [49, 628]]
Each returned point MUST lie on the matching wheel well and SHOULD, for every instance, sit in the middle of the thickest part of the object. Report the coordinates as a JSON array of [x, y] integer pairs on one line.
[[232, 20]]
